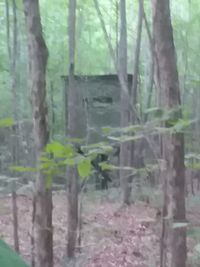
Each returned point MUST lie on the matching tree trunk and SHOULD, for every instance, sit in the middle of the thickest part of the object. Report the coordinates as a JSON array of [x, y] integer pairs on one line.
[[125, 111], [73, 132], [152, 68], [117, 29], [15, 219], [38, 56], [137, 158], [53, 114], [173, 144], [13, 55]]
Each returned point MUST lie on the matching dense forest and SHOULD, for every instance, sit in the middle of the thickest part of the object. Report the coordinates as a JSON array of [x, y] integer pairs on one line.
[[99, 133]]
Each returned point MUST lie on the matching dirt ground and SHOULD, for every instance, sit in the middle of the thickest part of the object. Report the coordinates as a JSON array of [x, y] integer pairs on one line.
[[111, 236]]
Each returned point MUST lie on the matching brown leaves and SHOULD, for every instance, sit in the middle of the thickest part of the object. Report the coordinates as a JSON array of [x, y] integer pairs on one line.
[[111, 236], [130, 238]]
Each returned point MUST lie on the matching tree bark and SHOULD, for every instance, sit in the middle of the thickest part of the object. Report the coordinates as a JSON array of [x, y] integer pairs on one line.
[[151, 74], [137, 158], [120, 64], [173, 144], [73, 132], [7, 11], [15, 220], [125, 148], [15, 100], [13, 55], [38, 56]]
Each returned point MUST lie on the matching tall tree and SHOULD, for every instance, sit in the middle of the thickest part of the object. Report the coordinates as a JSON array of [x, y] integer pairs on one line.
[[13, 55], [73, 132], [38, 56], [137, 147], [173, 144], [124, 107]]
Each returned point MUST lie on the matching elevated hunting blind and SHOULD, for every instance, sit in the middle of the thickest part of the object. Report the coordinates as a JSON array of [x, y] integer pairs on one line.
[[99, 103]]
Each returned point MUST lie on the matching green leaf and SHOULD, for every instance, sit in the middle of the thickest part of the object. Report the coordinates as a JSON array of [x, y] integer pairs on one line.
[[98, 148], [105, 166], [106, 130], [84, 168], [46, 165], [181, 124], [44, 159], [192, 156], [156, 111], [194, 165], [58, 150], [179, 225], [74, 140], [7, 122], [126, 138], [23, 169], [70, 162], [49, 181], [129, 129], [133, 128]]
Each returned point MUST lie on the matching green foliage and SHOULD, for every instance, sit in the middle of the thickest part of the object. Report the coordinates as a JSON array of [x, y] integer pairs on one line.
[[155, 112], [92, 55], [23, 169], [126, 138], [84, 168], [196, 255], [57, 155], [170, 120], [7, 122], [192, 160], [194, 165], [129, 129], [192, 156], [179, 225], [194, 232], [92, 150], [180, 125], [57, 150]]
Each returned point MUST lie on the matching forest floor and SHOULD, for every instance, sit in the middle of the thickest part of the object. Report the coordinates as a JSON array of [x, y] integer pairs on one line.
[[111, 236]]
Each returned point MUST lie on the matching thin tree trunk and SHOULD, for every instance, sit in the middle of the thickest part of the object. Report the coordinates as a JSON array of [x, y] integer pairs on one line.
[[141, 149], [13, 50], [173, 144], [53, 115], [137, 55], [111, 50], [15, 219], [124, 107], [126, 101], [38, 56], [123, 83], [152, 68], [8, 30], [73, 131], [32, 236], [15, 102], [136, 158], [117, 28]]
